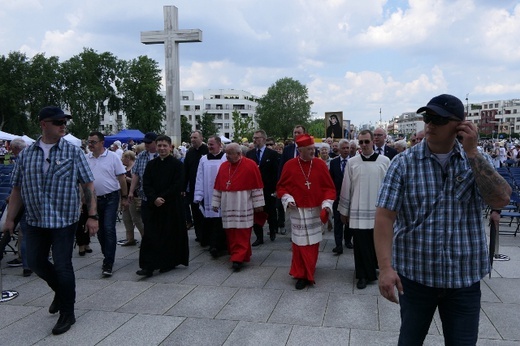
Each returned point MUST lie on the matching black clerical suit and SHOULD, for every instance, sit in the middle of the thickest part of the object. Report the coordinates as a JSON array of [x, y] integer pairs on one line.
[[268, 166]]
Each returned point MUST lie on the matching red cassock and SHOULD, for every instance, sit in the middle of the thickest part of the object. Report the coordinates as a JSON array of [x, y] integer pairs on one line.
[[309, 186], [240, 176]]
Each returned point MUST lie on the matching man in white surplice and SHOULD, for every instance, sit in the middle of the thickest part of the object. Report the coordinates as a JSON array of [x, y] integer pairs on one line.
[[206, 174]]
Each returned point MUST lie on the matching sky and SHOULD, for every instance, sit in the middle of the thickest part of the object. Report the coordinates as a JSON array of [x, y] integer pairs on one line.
[[370, 59]]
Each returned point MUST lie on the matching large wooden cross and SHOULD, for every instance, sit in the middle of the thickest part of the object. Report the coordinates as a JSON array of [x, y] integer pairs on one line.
[[170, 37]]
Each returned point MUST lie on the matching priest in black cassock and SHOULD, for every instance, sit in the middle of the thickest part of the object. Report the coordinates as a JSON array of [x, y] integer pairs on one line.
[[165, 240]]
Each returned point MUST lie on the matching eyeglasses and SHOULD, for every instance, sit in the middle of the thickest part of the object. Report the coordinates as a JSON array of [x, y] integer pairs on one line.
[[366, 141], [436, 120], [92, 142], [258, 137], [57, 122]]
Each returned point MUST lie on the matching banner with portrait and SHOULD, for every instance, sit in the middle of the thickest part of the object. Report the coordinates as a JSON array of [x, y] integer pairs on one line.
[[334, 125]]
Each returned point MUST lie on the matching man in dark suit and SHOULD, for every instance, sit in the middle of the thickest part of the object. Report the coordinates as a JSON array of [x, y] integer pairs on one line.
[[380, 146], [290, 151], [191, 164], [268, 161], [337, 167]]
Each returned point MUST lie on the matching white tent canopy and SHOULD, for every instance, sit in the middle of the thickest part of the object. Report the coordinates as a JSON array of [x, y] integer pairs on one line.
[[28, 140], [6, 136], [225, 140], [70, 138]]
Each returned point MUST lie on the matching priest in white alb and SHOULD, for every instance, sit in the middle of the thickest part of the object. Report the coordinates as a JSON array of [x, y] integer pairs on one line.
[[307, 192], [238, 193], [203, 194]]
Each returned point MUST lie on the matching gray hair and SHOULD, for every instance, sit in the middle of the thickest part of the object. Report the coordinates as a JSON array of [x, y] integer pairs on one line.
[[342, 141], [353, 142], [401, 144], [18, 143]]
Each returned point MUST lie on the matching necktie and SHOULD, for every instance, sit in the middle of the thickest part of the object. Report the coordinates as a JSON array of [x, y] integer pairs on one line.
[[379, 151], [343, 163], [258, 153]]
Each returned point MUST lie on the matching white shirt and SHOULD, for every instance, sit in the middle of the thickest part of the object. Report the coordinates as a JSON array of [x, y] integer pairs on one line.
[[106, 168]]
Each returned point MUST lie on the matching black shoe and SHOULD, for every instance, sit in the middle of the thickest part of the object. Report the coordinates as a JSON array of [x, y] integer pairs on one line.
[[349, 245], [362, 284], [88, 250], [144, 272], [338, 250], [301, 284], [82, 253], [107, 270], [213, 252], [257, 242], [272, 235], [64, 323], [166, 269], [237, 266], [27, 272], [15, 263], [55, 306]]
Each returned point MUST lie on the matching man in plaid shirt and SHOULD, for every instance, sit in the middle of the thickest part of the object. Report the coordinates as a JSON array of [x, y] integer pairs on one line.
[[429, 231], [45, 180]]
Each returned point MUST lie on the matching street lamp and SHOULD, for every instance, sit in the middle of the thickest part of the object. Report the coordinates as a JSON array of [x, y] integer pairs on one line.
[[467, 105]]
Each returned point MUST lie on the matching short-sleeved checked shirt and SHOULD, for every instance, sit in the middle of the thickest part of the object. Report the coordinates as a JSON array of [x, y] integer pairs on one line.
[[439, 236], [140, 164], [51, 199]]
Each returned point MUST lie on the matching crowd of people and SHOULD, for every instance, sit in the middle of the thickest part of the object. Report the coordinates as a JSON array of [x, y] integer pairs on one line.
[[410, 212]]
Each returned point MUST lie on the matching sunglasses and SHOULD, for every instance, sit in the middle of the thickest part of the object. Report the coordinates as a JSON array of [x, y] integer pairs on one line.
[[57, 122], [92, 142], [366, 141], [436, 120]]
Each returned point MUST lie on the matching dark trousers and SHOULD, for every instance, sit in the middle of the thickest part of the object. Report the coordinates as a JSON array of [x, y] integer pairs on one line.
[[82, 235], [365, 259], [272, 218], [107, 206], [341, 231], [280, 213], [198, 224], [217, 234], [459, 310], [59, 274]]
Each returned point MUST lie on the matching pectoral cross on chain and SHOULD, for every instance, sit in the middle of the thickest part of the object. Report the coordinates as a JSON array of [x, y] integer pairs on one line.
[[227, 184], [308, 183]]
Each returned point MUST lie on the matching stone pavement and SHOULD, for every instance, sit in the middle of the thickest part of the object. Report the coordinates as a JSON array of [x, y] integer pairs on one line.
[[207, 304]]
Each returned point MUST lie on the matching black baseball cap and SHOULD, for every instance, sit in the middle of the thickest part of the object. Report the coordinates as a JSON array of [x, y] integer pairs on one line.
[[447, 106], [52, 113], [149, 137]]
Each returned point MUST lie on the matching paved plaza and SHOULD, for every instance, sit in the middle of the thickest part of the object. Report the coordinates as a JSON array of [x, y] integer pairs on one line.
[[208, 304]]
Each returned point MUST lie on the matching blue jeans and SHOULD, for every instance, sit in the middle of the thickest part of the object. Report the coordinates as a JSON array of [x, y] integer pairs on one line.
[[459, 309], [23, 243], [107, 206], [60, 274]]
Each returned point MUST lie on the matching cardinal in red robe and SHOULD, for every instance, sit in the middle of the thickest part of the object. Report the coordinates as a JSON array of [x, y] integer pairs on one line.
[[238, 193], [307, 192]]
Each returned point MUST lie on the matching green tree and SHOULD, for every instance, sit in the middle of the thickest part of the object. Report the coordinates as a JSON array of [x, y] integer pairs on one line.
[[243, 126], [43, 88], [90, 81], [285, 105], [206, 124], [316, 128], [13, 87], [185, 129], [140, 88]]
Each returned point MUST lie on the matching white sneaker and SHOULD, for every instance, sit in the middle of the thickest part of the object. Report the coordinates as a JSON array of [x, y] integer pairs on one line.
[[500, 257]]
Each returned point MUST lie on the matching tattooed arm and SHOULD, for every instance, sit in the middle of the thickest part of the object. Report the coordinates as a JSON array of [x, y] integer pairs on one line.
[[493, 188], [90, 199], [495, 191]]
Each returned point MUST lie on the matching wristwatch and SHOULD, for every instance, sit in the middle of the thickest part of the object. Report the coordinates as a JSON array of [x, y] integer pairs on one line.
[[95, 217]]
